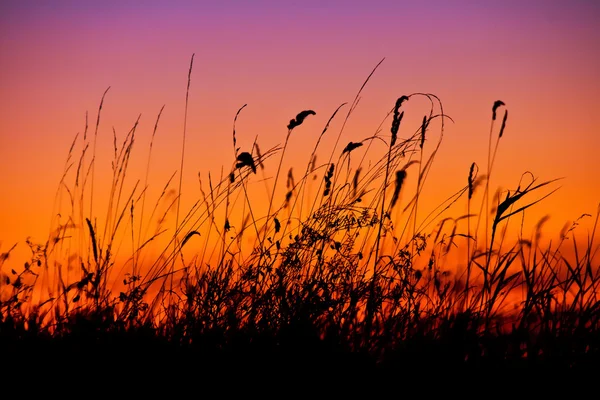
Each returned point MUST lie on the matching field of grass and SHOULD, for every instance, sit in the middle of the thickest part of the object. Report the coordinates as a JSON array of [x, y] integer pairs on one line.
[[344, 274]]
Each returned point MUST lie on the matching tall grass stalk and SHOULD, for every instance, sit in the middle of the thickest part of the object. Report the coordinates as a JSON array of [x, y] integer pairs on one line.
[[175, 239]]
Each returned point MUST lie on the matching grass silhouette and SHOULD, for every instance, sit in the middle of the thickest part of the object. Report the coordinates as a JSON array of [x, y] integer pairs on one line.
[[344, 275]]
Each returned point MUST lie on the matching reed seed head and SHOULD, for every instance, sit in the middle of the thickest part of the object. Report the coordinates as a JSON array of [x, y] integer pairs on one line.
[[300, 118]]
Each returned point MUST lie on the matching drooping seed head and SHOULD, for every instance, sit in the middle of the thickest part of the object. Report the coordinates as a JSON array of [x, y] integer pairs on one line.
[[300, 118], [497, 104]]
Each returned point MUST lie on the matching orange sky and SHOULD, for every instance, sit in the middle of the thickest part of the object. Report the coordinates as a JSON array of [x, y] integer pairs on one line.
[[539, 57]]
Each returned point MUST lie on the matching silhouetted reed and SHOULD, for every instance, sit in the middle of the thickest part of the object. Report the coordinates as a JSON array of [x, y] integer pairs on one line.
[[344, 276]]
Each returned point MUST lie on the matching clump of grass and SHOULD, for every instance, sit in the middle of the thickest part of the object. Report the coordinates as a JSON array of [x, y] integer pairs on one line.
[[342, 276]]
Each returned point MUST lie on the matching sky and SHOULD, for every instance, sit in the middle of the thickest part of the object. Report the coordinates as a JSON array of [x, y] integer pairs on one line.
[[279, 58]]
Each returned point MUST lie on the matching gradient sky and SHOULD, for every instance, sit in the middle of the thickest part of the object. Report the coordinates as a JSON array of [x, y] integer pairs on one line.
[[280, 57]]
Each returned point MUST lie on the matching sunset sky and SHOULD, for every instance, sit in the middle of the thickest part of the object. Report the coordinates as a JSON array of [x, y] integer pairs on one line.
[[281, 57]]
